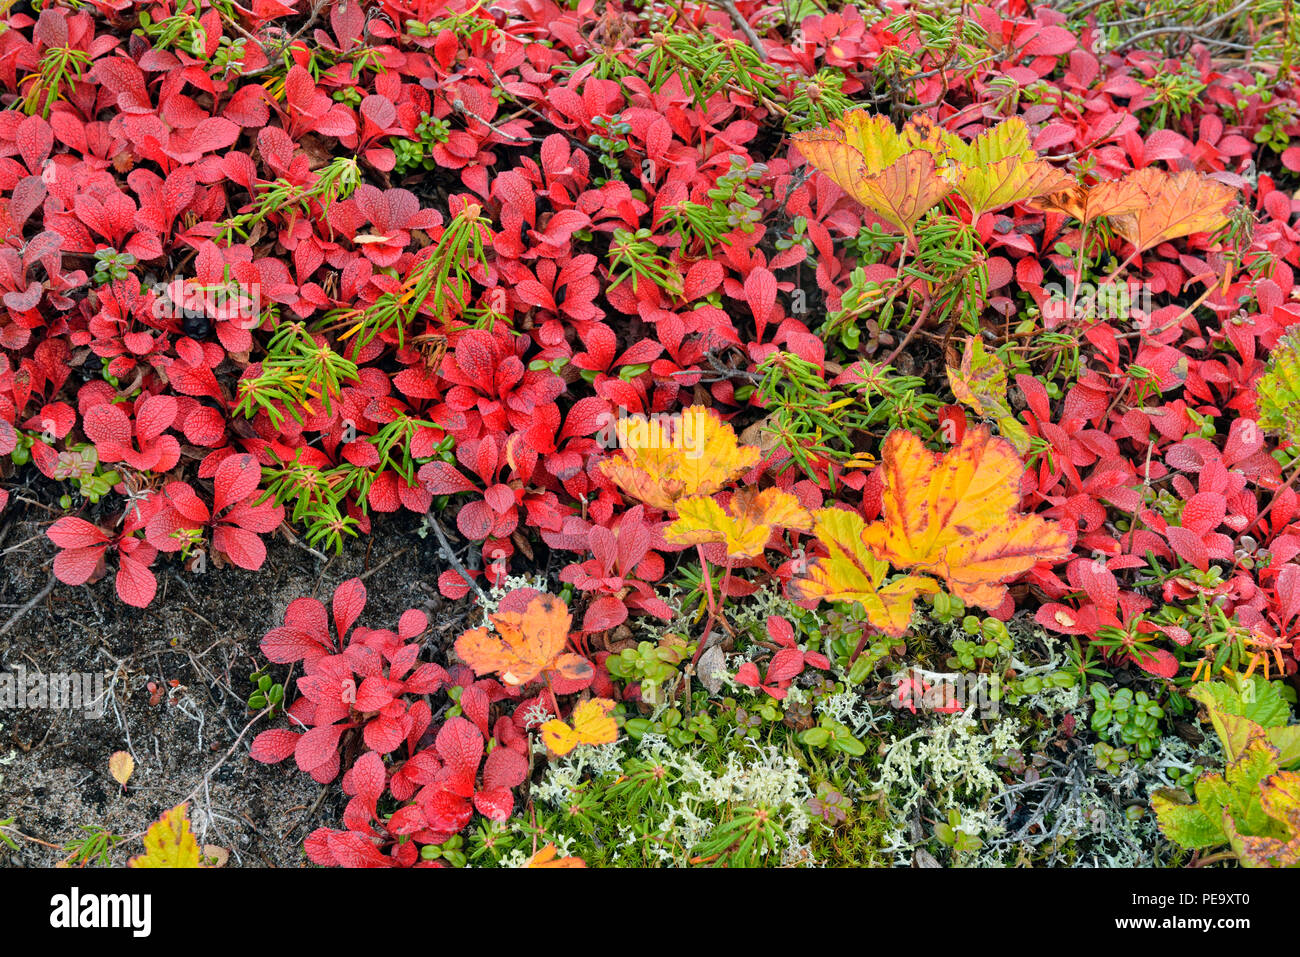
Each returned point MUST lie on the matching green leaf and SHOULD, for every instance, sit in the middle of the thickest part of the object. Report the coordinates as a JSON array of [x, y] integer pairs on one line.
[[1234, 707]]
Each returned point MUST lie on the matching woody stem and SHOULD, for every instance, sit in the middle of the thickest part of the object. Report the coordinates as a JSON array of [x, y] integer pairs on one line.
[[551, 691], [713, 608]]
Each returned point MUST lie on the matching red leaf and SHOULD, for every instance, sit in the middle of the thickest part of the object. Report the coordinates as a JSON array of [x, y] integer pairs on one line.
[[604, 613], [274, 745], [785, 664], [75, 566], [318, 747], [760, 293], [286, 644], [460, 745], [748, 675], [495, 804], [702, 278], [348, 603], [136, 585], [72, 532], [443, 478], [504, 768], [1157, 661], [241, 546], [452, 585], [1051, 41]]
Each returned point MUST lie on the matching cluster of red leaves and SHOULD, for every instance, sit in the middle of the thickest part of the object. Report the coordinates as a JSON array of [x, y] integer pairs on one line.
[[365, 706], [147, 150]]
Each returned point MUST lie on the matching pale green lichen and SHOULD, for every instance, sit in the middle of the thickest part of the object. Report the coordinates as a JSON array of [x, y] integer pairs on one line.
[[952, 757]]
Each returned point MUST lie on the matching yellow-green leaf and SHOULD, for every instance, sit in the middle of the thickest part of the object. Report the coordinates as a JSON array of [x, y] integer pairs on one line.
[[169, 842], [745, 526], [850, 572]]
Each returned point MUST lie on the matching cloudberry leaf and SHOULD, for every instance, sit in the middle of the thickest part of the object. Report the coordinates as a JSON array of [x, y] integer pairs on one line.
[[850, 572], [957, 516], [1177, 205], [999, 167], [529, 644], [744, 526], [169, 842], [1086, 203], [662, 461], [592, 724]]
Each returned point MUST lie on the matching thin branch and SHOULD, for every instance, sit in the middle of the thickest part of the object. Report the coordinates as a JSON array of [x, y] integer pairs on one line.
[[450, 554], [743, 25], [32, 603]]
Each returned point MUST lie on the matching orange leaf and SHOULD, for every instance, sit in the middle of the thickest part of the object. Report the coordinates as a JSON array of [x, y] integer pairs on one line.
[[530, 644], [745, 526], [695, 453], [903, 191], [895, 176], [851, 573], [957, 516], [1086, 203], [591, 725], [1178, 205], [546, 857]]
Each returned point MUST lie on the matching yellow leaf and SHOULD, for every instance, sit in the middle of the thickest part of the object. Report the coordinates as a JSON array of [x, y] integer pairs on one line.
[[745, 526], [169, 842], [591, 725], [999, 168], [981, 380], [546, 857], [888, 172], [957, 516], [850, 572], [695, 453], [1178, 205], [526, 644], [120, 765], [858, 143], [922, 133]]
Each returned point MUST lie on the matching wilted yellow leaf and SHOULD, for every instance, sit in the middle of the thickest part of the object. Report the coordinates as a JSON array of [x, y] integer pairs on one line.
[[903, 191], [857, 144], [591, 725], [526, 645], [957, 516], [120, 765], [169, 842], [981, 383], [922, 133], [1280, 800], [1086, 203], [745, 525], [695, 453], [887, 171], [850, 572]]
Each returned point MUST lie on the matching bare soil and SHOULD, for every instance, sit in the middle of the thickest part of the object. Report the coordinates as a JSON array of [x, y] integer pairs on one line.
[[196, 644]]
